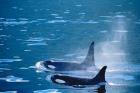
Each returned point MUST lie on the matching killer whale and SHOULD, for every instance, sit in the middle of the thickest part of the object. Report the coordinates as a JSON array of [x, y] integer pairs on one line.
[[68, 66], [80, 82]]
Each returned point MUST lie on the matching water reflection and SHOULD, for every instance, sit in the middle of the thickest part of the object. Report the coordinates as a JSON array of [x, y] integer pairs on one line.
[[100, 89]]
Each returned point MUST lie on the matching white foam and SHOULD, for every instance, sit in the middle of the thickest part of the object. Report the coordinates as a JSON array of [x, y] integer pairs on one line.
[[115, 84], [57, 21], [120, 84], [54, 14], [113, 54], [90, 22], [5, 69], [23, 68], [48, 78], [15, 22], [115, 41], [39, 66], [50, 39], [120, 16], [37, 44], [31, 67], [16, 57], [9, 60], [37, 39], [9, 92], [13, 79], [27, 50]]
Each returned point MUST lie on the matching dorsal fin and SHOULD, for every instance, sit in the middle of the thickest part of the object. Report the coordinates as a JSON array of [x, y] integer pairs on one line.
[[89, 59], [100, 77]]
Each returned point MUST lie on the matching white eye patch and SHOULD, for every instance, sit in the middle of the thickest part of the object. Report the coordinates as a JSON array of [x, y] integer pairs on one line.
[[60, 81], [51, 66]]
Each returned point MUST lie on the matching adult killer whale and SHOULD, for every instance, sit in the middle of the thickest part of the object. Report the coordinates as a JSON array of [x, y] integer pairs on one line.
[[80, 82], [69, 66]]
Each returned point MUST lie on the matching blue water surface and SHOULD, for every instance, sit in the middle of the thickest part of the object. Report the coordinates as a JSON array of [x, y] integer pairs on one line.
[[62, 30]]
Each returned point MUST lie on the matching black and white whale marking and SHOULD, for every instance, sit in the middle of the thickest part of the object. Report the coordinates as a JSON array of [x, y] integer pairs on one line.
[[80, 82], [69, 66]]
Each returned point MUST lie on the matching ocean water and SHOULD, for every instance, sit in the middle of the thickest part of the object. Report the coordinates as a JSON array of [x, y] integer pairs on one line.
[[62, 30]]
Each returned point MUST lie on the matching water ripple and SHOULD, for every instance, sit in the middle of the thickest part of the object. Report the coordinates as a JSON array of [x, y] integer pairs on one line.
[[47, 91], [9, 92], [9, 60], [13, 79]]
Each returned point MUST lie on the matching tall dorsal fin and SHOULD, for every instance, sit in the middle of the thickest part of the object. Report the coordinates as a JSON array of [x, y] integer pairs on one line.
[[89, 59]]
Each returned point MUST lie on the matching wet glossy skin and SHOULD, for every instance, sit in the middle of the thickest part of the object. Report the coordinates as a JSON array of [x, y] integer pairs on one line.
[[75, 81], [64, 66], [69, 66]]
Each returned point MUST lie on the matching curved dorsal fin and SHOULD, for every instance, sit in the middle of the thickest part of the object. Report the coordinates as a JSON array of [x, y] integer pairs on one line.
[[100, 77], [89, 59]]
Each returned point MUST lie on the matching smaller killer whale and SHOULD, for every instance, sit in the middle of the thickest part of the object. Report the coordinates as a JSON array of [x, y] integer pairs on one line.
[[80, 82], [69, 66]]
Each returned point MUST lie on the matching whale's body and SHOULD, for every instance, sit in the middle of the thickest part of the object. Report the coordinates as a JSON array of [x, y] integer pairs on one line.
[[69, 66], [80, 82]]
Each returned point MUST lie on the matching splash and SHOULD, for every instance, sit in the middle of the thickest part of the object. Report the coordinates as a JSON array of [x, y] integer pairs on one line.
[[112, 48]]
